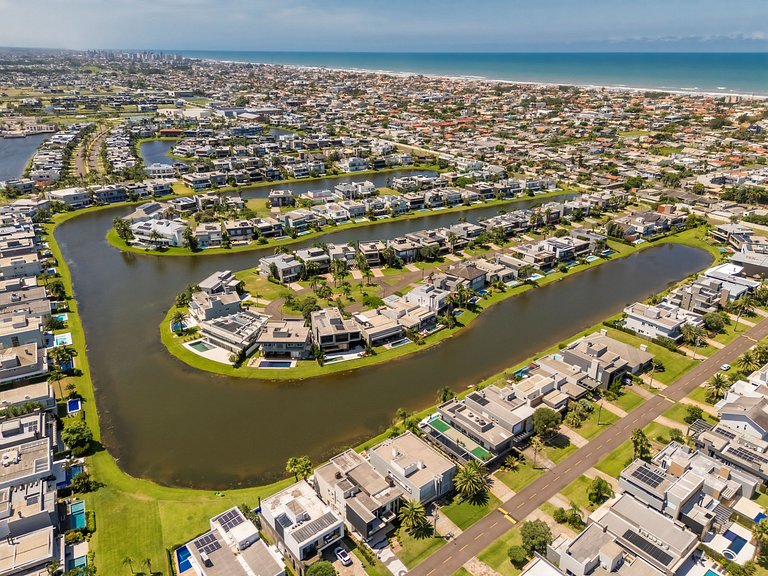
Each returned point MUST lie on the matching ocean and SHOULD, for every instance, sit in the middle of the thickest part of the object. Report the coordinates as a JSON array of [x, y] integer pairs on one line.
[[720, 73]]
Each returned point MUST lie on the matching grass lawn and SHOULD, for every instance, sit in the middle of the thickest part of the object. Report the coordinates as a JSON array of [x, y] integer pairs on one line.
[[657, 433], [520, 478], [576, 492], [464, 513], [496, 554], [590, 428], [257, 285], [559, 448], [617, 460], [674, 364], [678, 412], [700, 395], [415, 551], [628, 400], [376, 569], [462, 572]]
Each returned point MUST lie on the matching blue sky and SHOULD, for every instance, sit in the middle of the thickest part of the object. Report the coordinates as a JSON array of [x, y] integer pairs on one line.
[[389, 25]]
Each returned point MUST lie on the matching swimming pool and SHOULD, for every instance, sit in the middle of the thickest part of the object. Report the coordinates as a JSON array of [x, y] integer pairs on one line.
[[711, 573], [458, 312], [62, 339], [61, 317], [760, 516], [401, 342], [737, 543], [182, 557], [77, 515], [275, 364], [74, 405], [200, 346]]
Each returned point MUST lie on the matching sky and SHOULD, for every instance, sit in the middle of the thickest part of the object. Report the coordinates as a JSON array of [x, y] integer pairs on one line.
[[388, 25]]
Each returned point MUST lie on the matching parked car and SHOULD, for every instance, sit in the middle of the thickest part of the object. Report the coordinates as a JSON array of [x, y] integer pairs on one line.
[[725, 367], [343, 557]]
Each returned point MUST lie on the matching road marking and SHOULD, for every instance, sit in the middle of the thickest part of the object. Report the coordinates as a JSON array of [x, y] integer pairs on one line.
[[462, 548], [447, 558], [667, 398], [507, 516], [479, 536], [430, 572]]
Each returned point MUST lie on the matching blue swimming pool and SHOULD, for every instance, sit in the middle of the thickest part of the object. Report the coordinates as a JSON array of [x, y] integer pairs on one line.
[[458, 312], [401, 342], [760, 516], [275, 364], [74, 405], [737, 542], [77, 516], [711, 573], [182, 557]]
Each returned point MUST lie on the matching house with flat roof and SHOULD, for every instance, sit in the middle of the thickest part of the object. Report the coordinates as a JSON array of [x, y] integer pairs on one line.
[[73, 197], [377, 328], [334, 333], [204, 306], [288, 338], [660, 321], [605, 359], [301, 525], [237, 333], [286, 266], [232, 547], [223, 282], [23, 393], [428, 296], [367, 501], [159, 232], [22, 362], [20, 266], [18, 330], [421, 471]]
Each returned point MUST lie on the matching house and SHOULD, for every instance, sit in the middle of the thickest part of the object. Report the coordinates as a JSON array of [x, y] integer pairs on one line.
[[469, 274], [372, 251], [220, 283], [239, 230], [301, 525], [378, 328], [605, 359], [73, 197], [208, 235], [24, 266], [422, 472], [315, 255], [158, 170], [429, 297], [148, 211], [343, 252], [746, 414], [159, 232], [333, 333], [233, 547], [288, 338], [204, 306], [280, 198], [353, 164], [283, 267], [366, 500], [662, 320], [20, 329], [236, 333], [196, 180]]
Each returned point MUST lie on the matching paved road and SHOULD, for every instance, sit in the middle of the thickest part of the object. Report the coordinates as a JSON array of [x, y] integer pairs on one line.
[[480, 535]]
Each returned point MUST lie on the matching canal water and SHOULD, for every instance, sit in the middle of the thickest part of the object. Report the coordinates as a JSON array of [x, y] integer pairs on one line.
[[15, 154], [179, 426]]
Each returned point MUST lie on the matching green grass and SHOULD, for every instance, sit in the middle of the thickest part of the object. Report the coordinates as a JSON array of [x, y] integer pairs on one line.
[[560, 450], [699, 394], [628, 400], [675, 365], [576, 492], [255, 284], [654, 431], [375, 569], [617, 460], [464, 513], [414, 551], [679, 411], [590, 428], [520, 478], [496, 554], [462, 572]]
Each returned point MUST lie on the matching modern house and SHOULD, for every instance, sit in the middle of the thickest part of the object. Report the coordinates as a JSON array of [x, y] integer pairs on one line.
[[288, 338], [333, 333], [285, 266], [237, 333]]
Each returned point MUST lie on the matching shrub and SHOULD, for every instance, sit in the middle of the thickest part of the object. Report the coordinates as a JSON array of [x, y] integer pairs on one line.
[[518, 556]]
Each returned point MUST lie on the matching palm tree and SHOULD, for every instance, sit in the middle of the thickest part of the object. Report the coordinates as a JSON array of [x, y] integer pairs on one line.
[[445, 394], [128, 561], [747, 362], [760, 532], [452, 240], [471, 480], [56, 375], [412, 515], [761, 353], [148, 563], [745, 305], [511, 463], [537, 447], [368, 274], [716, 386], [177, 321], [53, 568]]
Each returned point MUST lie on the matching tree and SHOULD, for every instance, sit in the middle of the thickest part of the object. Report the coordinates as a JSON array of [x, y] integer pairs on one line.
[[716, 386], [322, 568], [641, 447], [299, 467], [693, 413], [599, 491], [518, 556], [536, 536], [693, 334], [77, 434], [55, 375], [189, 240], [128, 561], [471, 481], [177, 320], [56, 290], [714, 322], [445, 394], [537, 447], [413, 516], [744, 305], [545, 422], [82, 484], [747, 362], [760, 532], [148, 563]]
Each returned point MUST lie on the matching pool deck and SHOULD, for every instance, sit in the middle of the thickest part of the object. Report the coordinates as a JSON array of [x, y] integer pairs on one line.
[[719, 543], [215, 354]]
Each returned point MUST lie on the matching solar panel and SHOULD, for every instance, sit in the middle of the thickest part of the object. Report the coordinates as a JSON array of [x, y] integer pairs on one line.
[[725, 433], [747, 455], [207, 543], [230, 519], [649, 477], [648, 547]]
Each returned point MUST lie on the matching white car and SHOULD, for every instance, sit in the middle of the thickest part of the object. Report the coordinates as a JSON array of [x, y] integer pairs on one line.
[[725, 367], [343, 557]]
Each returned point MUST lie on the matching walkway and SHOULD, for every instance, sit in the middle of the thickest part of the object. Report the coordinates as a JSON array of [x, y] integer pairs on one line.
[[489, 529]]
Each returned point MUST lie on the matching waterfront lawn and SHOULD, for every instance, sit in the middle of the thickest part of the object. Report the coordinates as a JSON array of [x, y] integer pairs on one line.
[[628, 400], [590, 428], [679, 411], [576, 492], [617, 460], [413, 551], [257, 285], [496, 554], [518, 479], [464, 513]]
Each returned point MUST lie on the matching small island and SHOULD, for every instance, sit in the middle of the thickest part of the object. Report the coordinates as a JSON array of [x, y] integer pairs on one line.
[[338, 307]]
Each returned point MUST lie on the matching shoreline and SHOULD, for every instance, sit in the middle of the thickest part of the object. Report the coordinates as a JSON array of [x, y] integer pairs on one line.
[[681, 91]]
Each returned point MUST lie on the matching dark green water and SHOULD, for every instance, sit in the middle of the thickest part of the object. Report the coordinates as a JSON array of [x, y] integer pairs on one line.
[[165, 421]]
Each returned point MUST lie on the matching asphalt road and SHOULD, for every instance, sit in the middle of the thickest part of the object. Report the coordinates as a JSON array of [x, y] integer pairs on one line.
[[483, 533]]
